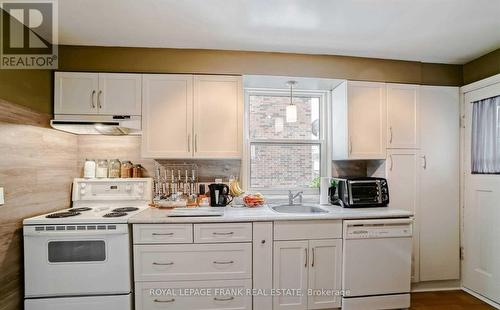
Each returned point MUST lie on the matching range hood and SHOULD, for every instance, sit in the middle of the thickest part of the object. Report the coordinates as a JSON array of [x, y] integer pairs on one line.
[[114, 125]]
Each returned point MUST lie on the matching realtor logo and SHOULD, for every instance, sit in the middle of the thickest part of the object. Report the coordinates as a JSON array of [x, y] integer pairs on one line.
[[29, 34]]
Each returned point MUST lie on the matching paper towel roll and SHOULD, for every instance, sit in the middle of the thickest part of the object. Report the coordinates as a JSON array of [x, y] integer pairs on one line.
[[324, 185]]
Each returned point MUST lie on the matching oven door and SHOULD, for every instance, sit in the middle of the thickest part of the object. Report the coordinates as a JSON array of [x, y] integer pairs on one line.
[[364, 193], [69, 260]]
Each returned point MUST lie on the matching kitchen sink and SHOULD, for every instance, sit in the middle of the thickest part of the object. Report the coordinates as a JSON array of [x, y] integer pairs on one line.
[[303, 208]]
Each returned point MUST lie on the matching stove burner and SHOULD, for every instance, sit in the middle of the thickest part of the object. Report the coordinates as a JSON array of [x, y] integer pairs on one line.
[[115, 214], [80, 209], [61, 215], [126, 209]]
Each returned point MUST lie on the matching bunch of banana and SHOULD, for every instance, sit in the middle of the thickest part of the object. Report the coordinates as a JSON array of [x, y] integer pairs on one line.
[[235, 189]]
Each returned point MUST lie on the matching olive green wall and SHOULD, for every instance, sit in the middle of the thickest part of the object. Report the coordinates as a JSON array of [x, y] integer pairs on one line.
[[33, 88], [482, 67], [29, 88]]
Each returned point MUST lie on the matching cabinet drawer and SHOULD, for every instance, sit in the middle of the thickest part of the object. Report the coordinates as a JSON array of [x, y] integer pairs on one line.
[[163, 233], [223, 232], [305, 230], [166, 295], [192, 262]]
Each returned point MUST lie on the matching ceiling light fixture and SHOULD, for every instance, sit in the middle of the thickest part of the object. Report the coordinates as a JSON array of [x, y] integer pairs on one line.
[[291, 109]]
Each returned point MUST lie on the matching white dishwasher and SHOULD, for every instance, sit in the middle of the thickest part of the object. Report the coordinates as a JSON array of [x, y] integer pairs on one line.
[[376, 272]]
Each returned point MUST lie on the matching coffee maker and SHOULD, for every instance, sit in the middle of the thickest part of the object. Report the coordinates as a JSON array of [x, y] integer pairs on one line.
[[219, 195]]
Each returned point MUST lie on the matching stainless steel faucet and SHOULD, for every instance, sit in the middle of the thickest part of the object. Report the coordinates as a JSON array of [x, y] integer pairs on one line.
[[291, 197]]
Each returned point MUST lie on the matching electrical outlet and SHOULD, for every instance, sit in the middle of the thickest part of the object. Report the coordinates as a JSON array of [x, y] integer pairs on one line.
[[2, 200]]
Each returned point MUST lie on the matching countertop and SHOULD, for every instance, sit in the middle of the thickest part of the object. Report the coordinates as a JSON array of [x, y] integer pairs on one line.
[[264, 213]]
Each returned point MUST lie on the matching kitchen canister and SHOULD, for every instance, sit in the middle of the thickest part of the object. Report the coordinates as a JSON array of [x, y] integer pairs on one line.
[[89, 169], [324, 185]]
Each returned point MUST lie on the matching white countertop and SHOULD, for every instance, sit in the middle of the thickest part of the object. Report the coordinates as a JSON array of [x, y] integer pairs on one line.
[[264, 213]]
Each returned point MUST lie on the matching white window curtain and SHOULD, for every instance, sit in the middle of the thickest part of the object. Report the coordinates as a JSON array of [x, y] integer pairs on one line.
[[486, 136]]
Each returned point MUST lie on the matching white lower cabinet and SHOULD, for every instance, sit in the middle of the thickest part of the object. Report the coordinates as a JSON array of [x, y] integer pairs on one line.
[[199, 275], [194, 295], [307, 273]]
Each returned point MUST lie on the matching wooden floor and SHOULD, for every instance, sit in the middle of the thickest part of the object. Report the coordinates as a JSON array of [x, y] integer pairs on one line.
[[449, 300]]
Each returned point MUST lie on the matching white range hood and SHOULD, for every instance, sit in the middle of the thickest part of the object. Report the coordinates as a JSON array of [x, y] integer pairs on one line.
[[98, 124]]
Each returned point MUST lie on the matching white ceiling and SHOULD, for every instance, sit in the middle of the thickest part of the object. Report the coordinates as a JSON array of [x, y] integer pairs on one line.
[[445, 31]]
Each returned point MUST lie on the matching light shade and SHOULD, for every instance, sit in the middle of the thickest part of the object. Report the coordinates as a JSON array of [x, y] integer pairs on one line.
[[291, 113]]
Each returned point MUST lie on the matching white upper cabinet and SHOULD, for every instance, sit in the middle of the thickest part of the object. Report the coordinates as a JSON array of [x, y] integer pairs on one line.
[[167, 120], [97, 93], [186, 116], [218, 116], [359, 121], [402, 116], [119, 94], [75, 93]]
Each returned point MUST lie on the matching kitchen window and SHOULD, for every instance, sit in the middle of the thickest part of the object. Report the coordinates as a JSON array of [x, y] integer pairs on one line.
[[284, 153]]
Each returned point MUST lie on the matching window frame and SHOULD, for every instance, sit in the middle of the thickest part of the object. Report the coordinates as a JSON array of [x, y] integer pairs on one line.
[[323, 141]]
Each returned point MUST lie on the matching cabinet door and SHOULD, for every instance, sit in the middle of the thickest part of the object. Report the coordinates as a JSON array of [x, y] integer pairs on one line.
[[218, 115], [167, 116], [119, 94], [439, 183], [402, 116], [290, 268], [403, 180], [75, 93], [325, 273], [366, 106]]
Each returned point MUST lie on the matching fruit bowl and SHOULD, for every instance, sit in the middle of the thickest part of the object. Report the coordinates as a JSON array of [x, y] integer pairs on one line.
[[253, 201]]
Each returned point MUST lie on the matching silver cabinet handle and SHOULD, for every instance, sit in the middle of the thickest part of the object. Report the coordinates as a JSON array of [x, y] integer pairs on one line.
[[306, 252], [93, 99], [312, 263], [99, 99], [350, 144], [163, 264], [224, 263], [390, 134], [162, 234], [390, 158], [189, 142], [169, 300], [223, 299], [425, 161], [223, 234], [196, 142]]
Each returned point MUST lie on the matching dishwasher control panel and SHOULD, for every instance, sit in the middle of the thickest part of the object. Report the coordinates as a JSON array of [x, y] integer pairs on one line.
[[372, 229]]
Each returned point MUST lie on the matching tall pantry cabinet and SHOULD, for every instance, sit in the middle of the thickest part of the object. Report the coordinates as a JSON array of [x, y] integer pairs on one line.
[[422, 169]]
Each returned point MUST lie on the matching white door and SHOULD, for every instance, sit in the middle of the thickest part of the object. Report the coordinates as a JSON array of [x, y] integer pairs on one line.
[[481, 228], [325, 273], [167, 118], [218, 116], [75, 93], [402, 116], [119, 94], [367, 120], [439, 183], [290, 268], [403, 180]]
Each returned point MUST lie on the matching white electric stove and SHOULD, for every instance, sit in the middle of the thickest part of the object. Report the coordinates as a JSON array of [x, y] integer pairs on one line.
[[79, 258]]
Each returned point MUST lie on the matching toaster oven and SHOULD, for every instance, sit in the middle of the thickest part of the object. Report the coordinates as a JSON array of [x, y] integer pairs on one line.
[[360, 192]]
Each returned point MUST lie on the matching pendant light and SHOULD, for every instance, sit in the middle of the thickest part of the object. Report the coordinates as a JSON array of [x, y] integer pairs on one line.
[[291, 109]]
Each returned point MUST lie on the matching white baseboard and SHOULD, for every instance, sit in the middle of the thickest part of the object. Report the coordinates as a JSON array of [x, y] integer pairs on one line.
[[434, 286], [481, 297]]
